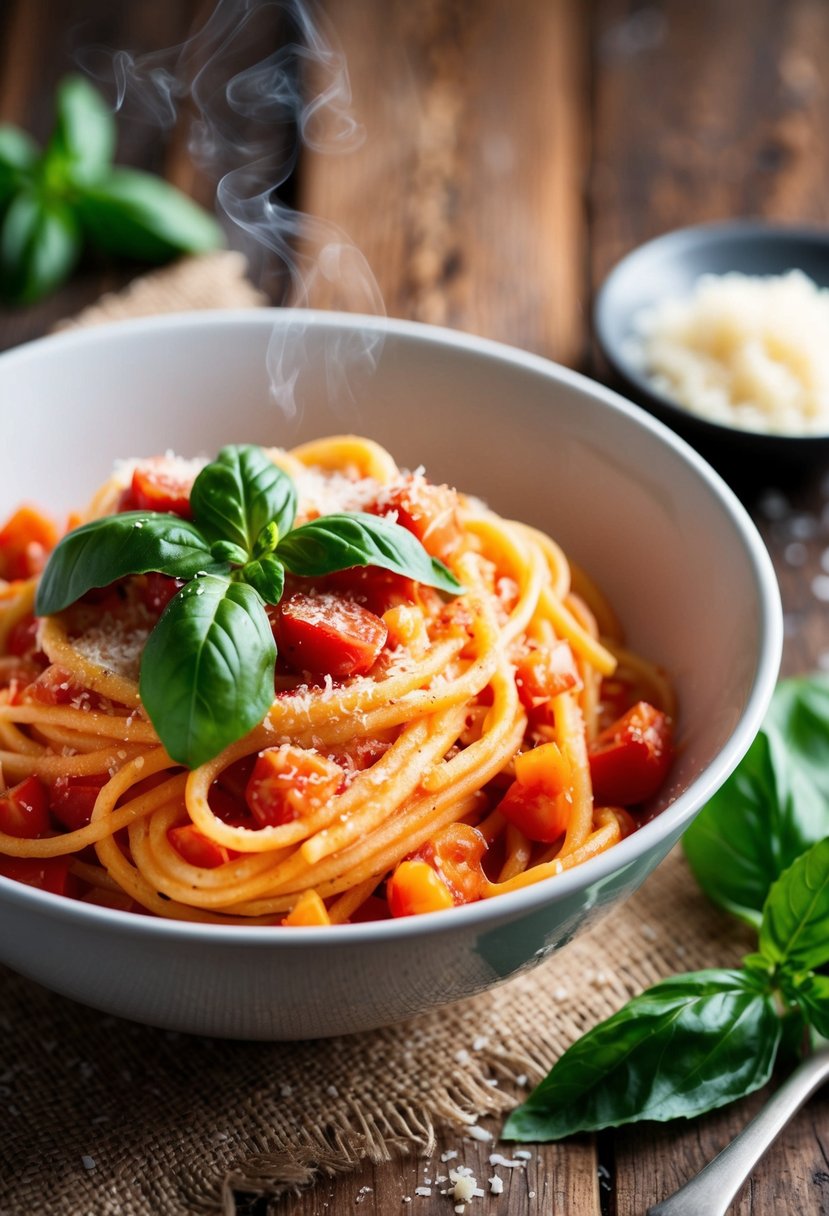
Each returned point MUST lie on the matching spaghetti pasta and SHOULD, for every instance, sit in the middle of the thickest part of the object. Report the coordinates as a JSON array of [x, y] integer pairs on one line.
[[477, 743]]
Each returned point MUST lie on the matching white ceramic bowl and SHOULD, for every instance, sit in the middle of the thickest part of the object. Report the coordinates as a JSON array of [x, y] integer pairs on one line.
[[661, 534]]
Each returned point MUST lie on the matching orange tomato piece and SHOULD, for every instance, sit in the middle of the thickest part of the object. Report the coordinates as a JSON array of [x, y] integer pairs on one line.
[[26, 540], [196, 848], [308, 910], [630, 759], [415, 887]]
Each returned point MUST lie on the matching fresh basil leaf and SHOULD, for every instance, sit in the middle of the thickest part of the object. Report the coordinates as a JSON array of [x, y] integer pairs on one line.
[[756, 825], [207, 669], [685, 1046], [812, 994], [138, 215], [799, 714], [83, 142], [337, 542], [240, 493], [226, 551], [39, 244], [795, 928], [19, 155], [267, 576], [107, 549]]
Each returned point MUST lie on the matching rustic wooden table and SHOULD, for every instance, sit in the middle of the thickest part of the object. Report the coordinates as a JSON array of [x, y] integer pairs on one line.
[[513, 153]]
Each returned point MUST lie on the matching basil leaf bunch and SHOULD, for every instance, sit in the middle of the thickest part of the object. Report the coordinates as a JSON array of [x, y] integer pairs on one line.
[[207, 670], [55, 201], [697, 1041]]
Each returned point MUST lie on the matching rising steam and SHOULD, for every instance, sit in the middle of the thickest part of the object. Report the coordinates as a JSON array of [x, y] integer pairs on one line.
[[252, 117]]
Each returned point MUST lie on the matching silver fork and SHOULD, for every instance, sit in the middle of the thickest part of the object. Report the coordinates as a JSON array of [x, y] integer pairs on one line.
[[713, 1188]]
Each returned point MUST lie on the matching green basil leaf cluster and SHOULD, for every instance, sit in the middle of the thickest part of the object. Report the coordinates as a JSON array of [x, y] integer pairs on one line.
[[208, 667], [55, 201], [698, 1041]]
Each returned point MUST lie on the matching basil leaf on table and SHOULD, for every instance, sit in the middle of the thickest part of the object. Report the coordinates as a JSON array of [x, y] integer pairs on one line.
[[18, 157], [135, 542], [799, 714], [207, 669], [812, 994], [39, 244], [240, 493], [795, 930], [765, 815], [685, 1046], [135, 214], [337, 542], [83, 141]]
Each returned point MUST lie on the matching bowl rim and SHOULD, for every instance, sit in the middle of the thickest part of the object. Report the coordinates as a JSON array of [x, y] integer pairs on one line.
[[717, 232], [667, 824]]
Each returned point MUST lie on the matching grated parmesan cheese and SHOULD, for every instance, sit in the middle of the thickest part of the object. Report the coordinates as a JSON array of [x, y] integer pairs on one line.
[[746, 351]]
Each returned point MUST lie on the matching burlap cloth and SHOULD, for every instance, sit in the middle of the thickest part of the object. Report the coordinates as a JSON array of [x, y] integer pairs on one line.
[[106, 1117]]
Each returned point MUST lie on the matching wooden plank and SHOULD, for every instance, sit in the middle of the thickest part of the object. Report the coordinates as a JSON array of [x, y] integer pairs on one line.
[[557, 1178], [702, 112], [466, 196]]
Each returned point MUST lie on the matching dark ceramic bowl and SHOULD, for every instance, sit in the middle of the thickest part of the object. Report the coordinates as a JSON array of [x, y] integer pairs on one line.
[[670, 266]]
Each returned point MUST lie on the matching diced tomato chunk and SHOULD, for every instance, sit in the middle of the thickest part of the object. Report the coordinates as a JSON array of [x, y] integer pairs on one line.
[[545, 673], [73, 799], [154, 489], [308, 910], [429, 512], [26, 540], [327, 634], [158, 590], [196, 848], [538, 801], [456, 853], [45, 873], [53, 687], [24, 809], [22, 639], [415, 887], [288, 782], [630, 759]]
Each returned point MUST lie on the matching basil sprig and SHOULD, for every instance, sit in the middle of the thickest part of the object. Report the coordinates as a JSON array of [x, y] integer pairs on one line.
[[56, 201], [208, 665], [695, 1042]]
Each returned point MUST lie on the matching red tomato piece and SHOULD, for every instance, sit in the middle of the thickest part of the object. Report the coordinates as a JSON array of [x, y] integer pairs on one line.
[[154, 489], [544, 673], [429, 512], [22, 639], [536, 812], [158, 590], [198, 849], [326, 634], [53, 687], [45, 873], [26, 540], [287, 782], [456, 853], [630, 759], [24, 809], [73, 799]]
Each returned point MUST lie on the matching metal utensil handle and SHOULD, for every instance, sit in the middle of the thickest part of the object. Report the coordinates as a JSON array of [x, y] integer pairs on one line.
[[713, 1188]]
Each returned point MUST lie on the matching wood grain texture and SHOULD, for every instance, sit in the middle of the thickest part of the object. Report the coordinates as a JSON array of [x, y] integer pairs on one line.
[[466, 196]]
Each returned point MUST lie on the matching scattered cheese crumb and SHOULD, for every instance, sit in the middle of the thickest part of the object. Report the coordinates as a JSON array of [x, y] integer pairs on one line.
[[464, 1185], [496, 1185], [449, 1155], [88, 1163], [480, 1042], [523, 1154], [508, 1162], [478, 1133], [521, 1079]]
